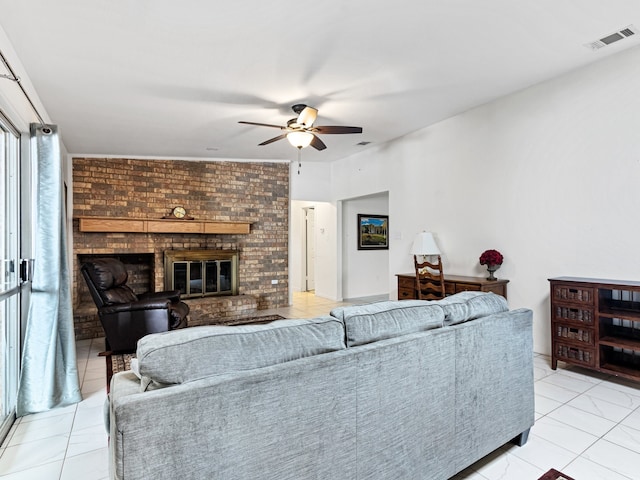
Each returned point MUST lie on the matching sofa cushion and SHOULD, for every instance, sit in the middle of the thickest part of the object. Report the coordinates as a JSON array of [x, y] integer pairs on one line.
[[465, 306], [376, 321], [188, 354]]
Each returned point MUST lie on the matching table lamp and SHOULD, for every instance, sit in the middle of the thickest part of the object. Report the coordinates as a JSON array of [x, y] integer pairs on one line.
[[424, 245]]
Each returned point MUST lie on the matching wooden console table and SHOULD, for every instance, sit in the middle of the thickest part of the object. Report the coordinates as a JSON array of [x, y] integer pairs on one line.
[[595, 323], [452, 284]]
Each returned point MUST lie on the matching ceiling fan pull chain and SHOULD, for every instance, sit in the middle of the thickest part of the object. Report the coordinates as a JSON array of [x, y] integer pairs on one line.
[[299, 164]]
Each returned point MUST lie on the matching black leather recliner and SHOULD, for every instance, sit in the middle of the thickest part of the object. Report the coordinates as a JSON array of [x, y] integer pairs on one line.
[[125, 316]]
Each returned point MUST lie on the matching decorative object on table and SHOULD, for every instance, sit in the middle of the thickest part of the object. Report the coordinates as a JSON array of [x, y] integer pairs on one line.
[[492, 259], [554, 475], [429, 273], [373, 232]]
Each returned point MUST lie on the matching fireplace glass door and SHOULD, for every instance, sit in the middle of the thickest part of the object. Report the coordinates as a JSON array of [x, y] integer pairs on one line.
[[195, 278]]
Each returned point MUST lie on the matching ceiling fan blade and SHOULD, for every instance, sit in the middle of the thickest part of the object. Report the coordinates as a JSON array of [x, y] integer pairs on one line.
[[337, 129], [262, 124], [317, 143], [274, 139], [307, 117]]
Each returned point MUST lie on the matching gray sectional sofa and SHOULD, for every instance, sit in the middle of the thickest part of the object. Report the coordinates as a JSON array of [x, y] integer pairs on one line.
[[391, 390]]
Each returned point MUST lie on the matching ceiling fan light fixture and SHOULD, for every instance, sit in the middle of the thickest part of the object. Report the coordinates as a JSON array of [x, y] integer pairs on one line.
[[300, 139], [307, 117]]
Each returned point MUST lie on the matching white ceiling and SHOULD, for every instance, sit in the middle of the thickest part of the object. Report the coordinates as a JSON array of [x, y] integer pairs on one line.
[[172, 79]]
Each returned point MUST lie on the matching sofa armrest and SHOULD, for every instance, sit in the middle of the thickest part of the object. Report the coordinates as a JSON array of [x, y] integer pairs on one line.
[[494, 382]]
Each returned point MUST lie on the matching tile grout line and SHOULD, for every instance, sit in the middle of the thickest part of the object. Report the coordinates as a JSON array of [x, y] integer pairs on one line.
[[75, 413]]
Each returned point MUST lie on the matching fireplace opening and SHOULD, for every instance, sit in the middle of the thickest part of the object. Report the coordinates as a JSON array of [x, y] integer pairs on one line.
[[139, 267], [201, 273]]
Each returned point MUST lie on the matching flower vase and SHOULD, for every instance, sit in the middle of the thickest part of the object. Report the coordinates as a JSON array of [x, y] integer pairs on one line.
[[491, 269]]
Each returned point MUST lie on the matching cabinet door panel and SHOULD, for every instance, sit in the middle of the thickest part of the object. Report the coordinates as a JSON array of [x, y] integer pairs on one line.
[[573, 294], [572, 313], [408, 283], [577, 334], [575, 354], [406, 294]]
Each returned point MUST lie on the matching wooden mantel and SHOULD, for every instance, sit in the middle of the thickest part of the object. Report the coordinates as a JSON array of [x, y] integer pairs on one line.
[[141, 225]]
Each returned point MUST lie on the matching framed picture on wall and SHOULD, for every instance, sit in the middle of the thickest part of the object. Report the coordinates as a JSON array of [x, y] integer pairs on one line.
[[373, 232]]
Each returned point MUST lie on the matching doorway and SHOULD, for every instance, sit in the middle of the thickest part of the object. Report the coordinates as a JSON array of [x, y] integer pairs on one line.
[[309, 249]]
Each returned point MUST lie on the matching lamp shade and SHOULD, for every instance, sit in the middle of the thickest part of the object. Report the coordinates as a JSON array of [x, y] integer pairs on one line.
[[425, 244], [300, 139]]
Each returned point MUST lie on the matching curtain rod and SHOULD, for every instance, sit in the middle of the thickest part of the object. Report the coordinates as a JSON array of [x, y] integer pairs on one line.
[[14, 78]]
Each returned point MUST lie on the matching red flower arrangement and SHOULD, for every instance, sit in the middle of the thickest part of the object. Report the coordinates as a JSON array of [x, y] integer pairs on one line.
[[491, 257]]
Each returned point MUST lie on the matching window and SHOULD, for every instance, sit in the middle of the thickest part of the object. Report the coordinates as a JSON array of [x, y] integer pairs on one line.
[[9, 278]]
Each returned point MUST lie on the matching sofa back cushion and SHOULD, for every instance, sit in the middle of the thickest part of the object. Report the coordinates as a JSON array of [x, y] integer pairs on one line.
[[465, 306], [188, 354], [380, 320]]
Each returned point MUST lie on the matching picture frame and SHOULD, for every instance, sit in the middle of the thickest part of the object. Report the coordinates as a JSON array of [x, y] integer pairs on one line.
[[373, 232]]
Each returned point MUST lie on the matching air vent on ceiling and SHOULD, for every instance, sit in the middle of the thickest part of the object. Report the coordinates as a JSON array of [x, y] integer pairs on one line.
[[612, 38]]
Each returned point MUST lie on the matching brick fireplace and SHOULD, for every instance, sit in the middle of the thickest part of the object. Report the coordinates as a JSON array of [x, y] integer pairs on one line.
[[257, 193]]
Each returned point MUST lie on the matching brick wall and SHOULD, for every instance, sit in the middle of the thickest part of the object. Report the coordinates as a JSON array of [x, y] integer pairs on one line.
[[149, 189]]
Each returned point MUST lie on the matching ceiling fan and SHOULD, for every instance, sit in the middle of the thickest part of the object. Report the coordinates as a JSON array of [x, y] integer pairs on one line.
[[300, 130]]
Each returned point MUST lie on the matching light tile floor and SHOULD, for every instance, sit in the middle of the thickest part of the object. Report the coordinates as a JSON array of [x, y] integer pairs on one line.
[[587, 425]]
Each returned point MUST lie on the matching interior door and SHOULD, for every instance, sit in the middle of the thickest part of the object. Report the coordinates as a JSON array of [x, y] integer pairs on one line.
[[310, 247], [9, 273]]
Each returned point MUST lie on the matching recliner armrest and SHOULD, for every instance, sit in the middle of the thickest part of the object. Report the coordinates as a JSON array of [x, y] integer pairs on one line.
[[144, 304], [173, 295]]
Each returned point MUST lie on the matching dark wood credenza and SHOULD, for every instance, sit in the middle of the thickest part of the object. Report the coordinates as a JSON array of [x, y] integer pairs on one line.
[[595, 323], [452, 284]]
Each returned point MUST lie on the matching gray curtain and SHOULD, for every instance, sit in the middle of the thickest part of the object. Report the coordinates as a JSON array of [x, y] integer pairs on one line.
[[49, 375]]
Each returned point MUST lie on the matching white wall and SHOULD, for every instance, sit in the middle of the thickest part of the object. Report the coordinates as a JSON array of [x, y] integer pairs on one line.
[[12, 101], [364, 272], [548, 176], [313, 183]]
